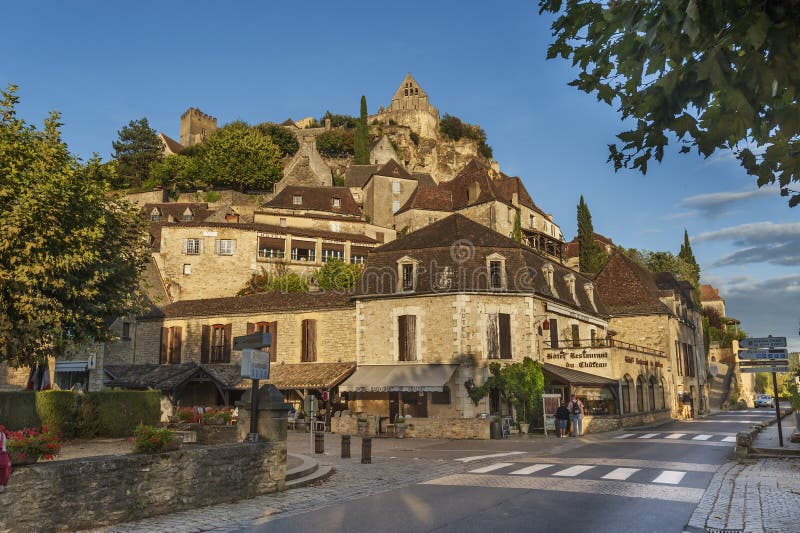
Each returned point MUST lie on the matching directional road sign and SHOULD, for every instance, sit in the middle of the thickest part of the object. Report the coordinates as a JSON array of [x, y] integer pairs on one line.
[[753, 369], [776, 353], [763, 342], [255, 341]]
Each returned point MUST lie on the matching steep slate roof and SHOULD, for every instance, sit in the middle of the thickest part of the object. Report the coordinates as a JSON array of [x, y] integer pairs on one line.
[[269, 228], [316, 199], [309, 375], [626, 287], [709, 293], [254, 303], [429, 199], [359, 175], [462, 245]]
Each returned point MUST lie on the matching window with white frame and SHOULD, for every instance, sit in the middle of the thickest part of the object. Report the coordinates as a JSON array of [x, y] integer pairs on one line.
[[297, 199], [226, 246], [337, 202], [188, 216], [187, 269], [193, 246]]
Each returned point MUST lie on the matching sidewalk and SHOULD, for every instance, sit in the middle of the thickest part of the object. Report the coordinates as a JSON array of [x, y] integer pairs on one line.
[[761, 496]]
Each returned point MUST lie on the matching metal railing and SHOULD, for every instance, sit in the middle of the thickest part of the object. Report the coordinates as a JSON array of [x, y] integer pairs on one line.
[[564, 344]]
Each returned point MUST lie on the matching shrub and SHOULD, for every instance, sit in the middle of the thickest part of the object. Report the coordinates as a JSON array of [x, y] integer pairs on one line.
[[217, 415], [455, 128], [151, 439], [285, 140], [57, 410], [336, 143], [120, 411], [18, 410], [31, 443]]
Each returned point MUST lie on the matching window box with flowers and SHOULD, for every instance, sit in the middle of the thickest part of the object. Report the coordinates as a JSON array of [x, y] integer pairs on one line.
[[29, 445]]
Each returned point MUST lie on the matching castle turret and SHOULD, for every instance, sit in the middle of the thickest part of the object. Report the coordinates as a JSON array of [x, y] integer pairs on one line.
[[196, 127]]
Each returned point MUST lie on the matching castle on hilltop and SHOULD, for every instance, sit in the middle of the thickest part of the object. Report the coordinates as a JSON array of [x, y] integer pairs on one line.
[[410, 107]]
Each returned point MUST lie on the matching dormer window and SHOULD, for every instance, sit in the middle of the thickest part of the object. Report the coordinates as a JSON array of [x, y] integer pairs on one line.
[[496, 267], [337, 202], [547, 271], [408, 277], [188, 216], [297, 199], [570, 280], [473, 191], [155, 215], [589, 289]]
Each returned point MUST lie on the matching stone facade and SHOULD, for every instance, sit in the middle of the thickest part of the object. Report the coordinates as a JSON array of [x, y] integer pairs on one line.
[[432, 427], [13, 378], [600, 424], [85, 493], [382, 152], [307, 167], [196, 127], [383, 196]]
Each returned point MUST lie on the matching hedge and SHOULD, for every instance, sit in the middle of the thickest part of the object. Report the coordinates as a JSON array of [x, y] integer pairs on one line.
[[18, 410], [108, 413]]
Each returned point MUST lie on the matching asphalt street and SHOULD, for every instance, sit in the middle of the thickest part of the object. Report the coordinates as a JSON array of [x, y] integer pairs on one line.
[[647, 480]]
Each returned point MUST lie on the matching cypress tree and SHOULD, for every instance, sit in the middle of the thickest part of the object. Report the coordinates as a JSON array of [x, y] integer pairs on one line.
[[687, 256], [591, 257], [362, 136]]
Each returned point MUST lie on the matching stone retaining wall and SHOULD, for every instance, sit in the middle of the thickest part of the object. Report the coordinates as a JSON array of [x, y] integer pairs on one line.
[[209, 434], [96, 491], [601, 423]]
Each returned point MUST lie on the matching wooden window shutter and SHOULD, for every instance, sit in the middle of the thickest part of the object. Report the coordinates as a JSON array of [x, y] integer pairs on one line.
[[493, 337], [273, 350], [185, 246], [216, 246], [504, 325], [164, 345], [576, 336], [312, 340], [402, 340], [411, 336], [205, 344], [176, 345], [553, 333], [303, 341], [251, 328], [226, 351]]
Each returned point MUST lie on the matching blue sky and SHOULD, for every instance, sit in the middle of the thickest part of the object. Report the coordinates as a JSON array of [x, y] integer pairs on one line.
[[102, 64]]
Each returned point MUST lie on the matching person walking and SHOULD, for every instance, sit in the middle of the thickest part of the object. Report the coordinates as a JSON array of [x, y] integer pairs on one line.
[[575, 408], [562, 417]]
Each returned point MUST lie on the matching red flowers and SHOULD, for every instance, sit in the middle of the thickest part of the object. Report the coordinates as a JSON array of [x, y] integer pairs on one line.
[[31, 442]]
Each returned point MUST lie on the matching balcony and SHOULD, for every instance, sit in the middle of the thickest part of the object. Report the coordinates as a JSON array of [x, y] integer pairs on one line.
[[543, 243], [567, 344]]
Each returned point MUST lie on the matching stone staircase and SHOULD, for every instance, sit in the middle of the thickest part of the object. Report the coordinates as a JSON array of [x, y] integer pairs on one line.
[[307, 471]]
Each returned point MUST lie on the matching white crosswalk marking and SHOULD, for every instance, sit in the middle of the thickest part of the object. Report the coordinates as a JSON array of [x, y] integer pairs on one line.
[[648, 436], [530, 469], [675, 436], [496, 466], [573, 471], [625, 436], [621, 473], [702, 437], [670, 477], [479, 457], [729, 439]]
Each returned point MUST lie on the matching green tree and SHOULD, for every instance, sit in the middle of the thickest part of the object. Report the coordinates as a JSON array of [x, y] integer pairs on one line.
[[455, 128], [337, 275], [591, 257], [711, 75], [178, 172], [136, 148], [687, 256], [362, 136], [278, 278], [281, 136], [516, 233], [335, 143], [241, 157], [70, 251], [339, 121], [521, 384]]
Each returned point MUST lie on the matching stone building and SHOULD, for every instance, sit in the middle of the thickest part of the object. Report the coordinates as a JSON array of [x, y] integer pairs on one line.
[[306, 168], [382, 151], [709, 297], [410, 107], [196, 127], [659, 312]]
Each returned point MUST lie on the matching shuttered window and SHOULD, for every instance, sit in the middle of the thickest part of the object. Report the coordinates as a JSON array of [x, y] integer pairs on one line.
[[498, 335], [170, 345], [553, 323], [309, 340], [576, 336], [407, 338], [216, 344]]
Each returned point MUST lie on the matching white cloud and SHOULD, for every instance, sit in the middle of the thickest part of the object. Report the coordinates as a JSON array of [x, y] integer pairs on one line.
[[715, 203], [759, 242]]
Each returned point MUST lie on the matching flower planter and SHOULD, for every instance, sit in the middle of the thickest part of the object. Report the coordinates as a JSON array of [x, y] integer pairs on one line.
[[523, 428], [400, 429]]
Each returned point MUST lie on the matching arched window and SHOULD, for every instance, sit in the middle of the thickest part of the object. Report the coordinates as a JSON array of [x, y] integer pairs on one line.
[[640, 394], [626, 394], [651, 393]]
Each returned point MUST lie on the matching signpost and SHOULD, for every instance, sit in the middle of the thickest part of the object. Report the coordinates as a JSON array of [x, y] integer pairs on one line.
[[310, 407], [757, 353], [550, 403], [255, 366]]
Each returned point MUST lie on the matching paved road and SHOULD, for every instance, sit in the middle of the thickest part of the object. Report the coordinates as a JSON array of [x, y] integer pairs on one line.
[[637, 480]]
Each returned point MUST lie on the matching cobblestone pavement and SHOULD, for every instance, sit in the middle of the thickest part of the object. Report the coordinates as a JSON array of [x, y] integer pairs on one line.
[[351, 480], [760, 497]]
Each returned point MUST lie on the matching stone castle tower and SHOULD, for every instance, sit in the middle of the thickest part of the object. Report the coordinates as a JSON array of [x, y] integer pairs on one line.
[[410, 96], [410, 107], [196, 126]]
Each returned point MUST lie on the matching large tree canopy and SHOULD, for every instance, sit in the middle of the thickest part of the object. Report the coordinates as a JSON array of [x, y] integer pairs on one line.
[[137, 147], [716, 75], [241, 157], [70, 254]]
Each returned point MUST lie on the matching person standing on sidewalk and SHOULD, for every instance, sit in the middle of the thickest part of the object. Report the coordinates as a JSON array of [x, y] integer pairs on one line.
[[575, 408], [562, 417]]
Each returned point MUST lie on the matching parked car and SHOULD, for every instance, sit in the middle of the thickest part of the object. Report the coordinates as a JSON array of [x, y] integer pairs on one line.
[[765, 400]]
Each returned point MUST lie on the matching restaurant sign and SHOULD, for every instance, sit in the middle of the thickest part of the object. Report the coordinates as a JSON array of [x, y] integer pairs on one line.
[[582, 359]]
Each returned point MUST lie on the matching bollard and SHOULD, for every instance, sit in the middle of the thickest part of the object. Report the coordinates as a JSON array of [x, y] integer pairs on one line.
[[366, 450], [319, 442], [345, 446]]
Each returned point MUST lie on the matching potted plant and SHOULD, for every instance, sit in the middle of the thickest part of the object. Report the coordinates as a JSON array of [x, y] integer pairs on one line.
[[524, 427], [217, 417], [27, 446], [301, 421], [187, 415], [151, 439], [361, 423], [400, 427]]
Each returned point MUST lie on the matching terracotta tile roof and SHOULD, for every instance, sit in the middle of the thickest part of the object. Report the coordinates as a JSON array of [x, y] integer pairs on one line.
[[309, 375], [424, 179], [269, 228], [461, 246], [572, 249], [316, 199], [709, 293], [255, 303], [359, 175], [429, 199], [626, 287]]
